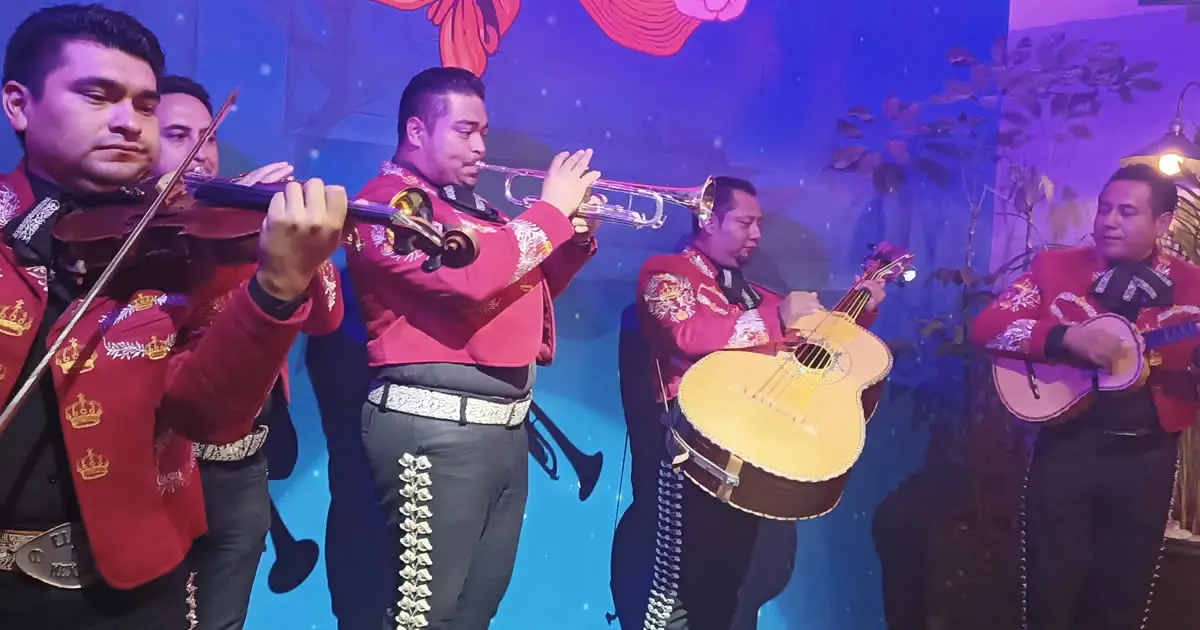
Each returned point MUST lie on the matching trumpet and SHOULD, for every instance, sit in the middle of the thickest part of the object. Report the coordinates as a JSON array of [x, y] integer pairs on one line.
[[698, 200]]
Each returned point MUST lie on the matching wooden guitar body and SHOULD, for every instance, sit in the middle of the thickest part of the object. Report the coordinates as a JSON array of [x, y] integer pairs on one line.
[[776, 436], [1056, 392]]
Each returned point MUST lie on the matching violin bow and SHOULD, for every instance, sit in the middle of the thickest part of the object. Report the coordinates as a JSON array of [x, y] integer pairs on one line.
[[163, 193]]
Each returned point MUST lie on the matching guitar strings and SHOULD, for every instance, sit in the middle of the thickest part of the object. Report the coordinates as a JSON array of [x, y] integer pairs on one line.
[[781, 370], [858, 301]]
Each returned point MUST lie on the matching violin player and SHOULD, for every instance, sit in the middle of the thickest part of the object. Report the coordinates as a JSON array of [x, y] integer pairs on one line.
[[234, 476], [454, 352], [1100, 485], [691, 304], [99, 496]]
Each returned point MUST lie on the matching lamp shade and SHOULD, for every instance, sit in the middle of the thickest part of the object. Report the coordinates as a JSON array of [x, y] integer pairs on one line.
[[1169, 154]]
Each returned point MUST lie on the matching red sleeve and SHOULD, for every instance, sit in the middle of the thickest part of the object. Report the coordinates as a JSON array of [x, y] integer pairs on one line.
[[560, 268], [217, 381], [325, 294], [1017, 322], [505, 254], [681, 307]]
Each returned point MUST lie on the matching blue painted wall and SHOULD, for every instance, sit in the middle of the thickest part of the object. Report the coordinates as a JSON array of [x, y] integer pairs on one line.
[[756, 96]]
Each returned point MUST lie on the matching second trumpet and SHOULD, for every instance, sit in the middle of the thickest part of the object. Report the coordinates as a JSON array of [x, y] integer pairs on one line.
[[698, 200]]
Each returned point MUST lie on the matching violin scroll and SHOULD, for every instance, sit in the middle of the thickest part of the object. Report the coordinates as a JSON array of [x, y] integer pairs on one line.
[[457, 249]]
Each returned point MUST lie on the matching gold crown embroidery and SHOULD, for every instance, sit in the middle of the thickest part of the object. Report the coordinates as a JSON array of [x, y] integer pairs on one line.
[[83, 413], [14, 320], [143, 301], [66, 358], [92, 466], [157, 348], [3, 372]]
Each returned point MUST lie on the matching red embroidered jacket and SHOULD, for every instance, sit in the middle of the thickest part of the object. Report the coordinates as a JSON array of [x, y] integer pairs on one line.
[[130, 401], [684, 315], [325, 296], [1057, 291], [495, 312]]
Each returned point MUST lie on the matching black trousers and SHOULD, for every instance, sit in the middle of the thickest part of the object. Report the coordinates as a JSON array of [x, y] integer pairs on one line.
[[699, 585], [454, 498], [1096, 508], [26, 604], [238, 505]]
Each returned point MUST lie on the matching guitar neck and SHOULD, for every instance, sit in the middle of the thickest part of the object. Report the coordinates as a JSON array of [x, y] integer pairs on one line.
[[1170, 334], [853, 302]]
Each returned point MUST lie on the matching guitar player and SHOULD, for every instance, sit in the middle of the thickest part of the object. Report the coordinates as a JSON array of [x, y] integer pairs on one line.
[[691, 304], [1099, 485]]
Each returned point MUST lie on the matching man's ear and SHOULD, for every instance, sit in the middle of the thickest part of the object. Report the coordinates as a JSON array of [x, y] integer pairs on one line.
[[1162, 223], [415, 131], [16, 98]]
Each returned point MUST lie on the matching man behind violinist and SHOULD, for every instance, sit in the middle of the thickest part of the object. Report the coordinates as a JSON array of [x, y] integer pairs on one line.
[[99, 456], [454, 354], [236, 495], [1099, 486], [689, 305]]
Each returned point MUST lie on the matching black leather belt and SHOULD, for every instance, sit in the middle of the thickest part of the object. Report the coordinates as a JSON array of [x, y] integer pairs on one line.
[[59, 556]]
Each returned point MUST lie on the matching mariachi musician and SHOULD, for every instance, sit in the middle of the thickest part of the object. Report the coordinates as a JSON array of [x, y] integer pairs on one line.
[[234, 476], [689, 305], [454, 352], [1100, 485], [99, 499]]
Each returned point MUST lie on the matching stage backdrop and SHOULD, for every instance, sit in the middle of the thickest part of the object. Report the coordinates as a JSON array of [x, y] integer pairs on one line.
[[830, 108]]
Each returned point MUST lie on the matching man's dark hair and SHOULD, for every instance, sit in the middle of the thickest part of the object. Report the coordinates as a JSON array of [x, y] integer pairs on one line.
[[422, 96], [35, 48], [175, 84], [1163, 194], [723, 188]]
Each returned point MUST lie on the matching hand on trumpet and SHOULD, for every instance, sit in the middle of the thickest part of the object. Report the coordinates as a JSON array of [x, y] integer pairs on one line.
[[568, 180], [585, 228]]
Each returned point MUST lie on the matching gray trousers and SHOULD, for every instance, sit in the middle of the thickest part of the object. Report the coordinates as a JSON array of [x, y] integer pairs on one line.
[[238, 506], [454, 498]]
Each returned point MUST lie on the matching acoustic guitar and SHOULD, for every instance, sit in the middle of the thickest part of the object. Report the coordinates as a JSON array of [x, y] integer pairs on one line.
[[776, 435], [1056, 392]]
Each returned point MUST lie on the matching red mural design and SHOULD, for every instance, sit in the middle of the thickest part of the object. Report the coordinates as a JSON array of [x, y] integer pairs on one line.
[[658, 27], [470, 30]]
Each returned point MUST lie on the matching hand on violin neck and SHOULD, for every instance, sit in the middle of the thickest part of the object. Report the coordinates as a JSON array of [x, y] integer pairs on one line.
[[302, 230]]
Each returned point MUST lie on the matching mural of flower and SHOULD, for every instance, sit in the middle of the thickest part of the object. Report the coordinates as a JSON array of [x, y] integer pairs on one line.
[[470, 30], [658, 27]]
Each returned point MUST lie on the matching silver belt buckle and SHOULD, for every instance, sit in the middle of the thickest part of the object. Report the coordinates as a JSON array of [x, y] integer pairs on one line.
[[53, 558]]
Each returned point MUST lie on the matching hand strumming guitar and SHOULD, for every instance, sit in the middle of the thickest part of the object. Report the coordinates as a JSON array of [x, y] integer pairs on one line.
[[1096, 346], [797, 304]]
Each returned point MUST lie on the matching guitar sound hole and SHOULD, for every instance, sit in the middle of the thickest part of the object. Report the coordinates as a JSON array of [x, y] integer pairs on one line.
[[813, 357]]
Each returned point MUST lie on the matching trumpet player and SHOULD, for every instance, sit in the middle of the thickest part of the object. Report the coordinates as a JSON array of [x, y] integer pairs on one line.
[[453, 355]]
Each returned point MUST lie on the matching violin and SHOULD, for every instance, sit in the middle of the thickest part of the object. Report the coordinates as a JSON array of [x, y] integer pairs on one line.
[[210, 220], [176, 231]]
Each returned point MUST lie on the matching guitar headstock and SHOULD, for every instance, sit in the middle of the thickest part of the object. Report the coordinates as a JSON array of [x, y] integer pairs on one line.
[[890, 263]]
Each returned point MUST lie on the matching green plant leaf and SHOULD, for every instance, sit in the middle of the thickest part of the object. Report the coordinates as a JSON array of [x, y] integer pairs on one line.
[[1145, 84], [891, 107], [1080, 131], [933, 170], [909, 113], [1126, 94], [847, 157], [849, 129], [1142, 67], [888, 178], [960, 56], [898, 150], [861, 113], [1000, 49]]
